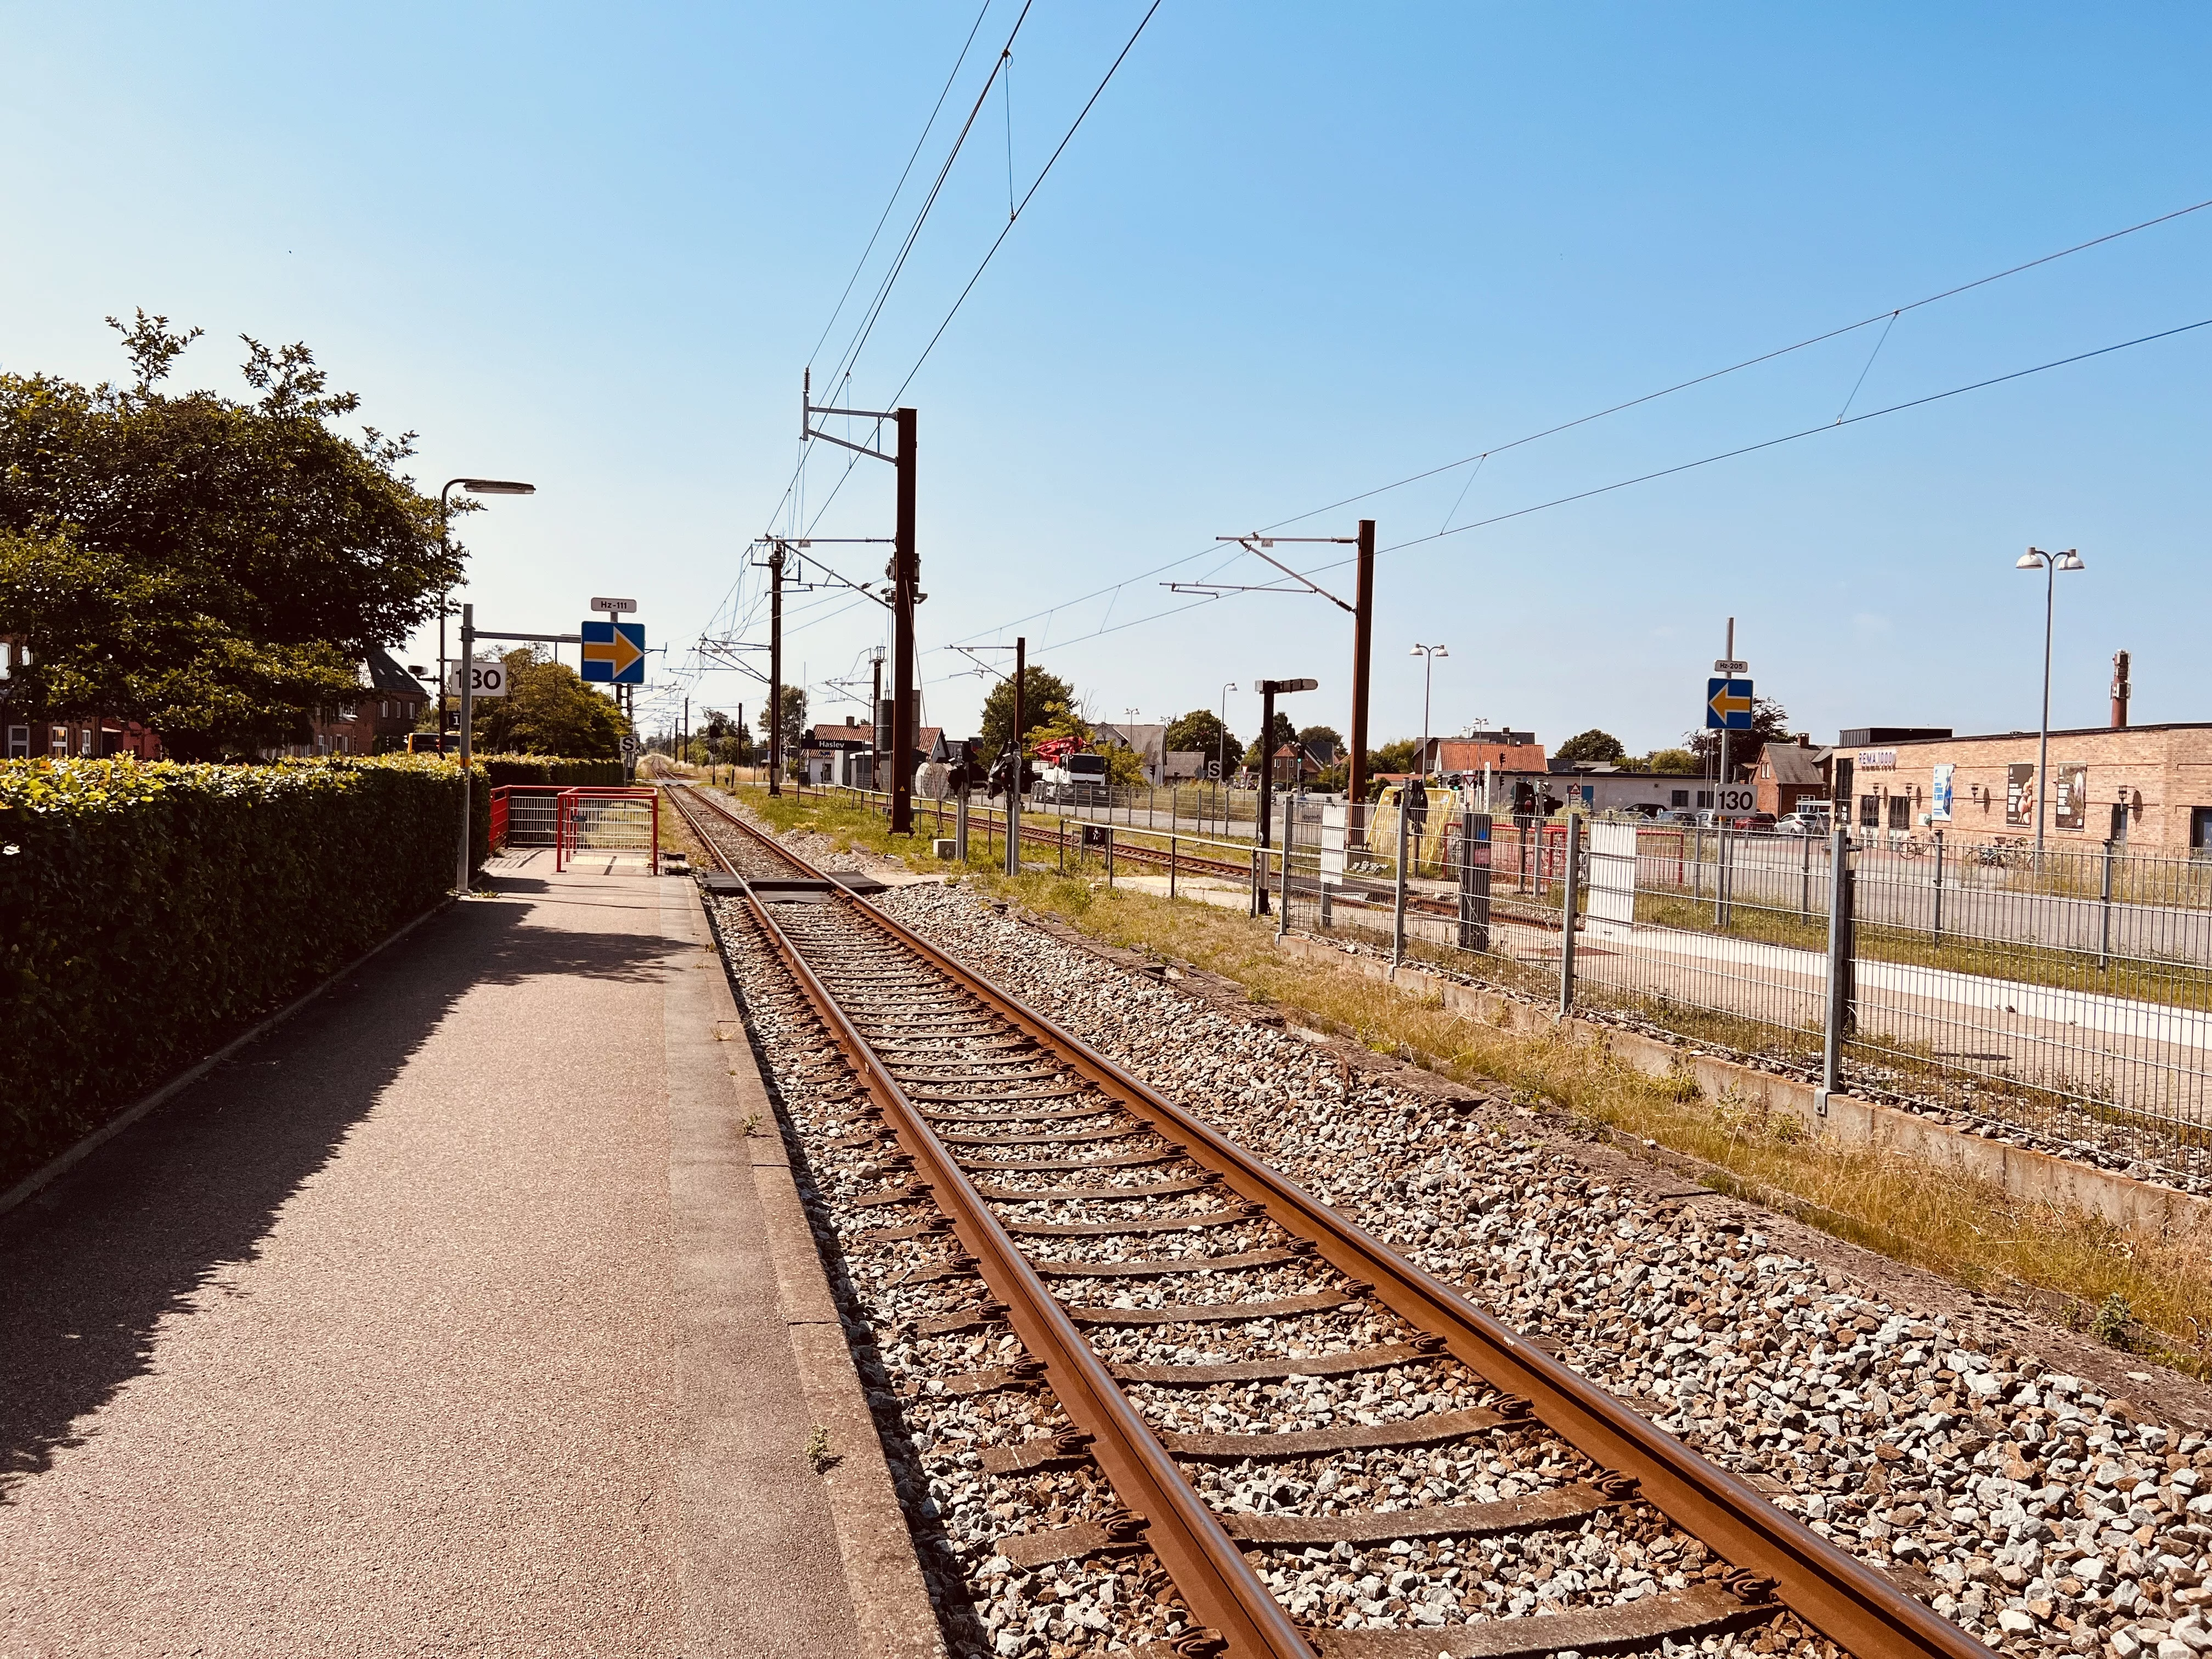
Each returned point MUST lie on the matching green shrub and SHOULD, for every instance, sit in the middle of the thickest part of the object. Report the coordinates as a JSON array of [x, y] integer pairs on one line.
[[150, 913], [550, 769]]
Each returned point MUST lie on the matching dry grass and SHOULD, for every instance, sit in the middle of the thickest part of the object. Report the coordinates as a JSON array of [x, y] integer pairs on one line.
[[1970, 1231]]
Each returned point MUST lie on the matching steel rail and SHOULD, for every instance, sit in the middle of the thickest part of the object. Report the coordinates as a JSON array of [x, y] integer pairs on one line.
[[1839, 1597], [1208, 1568]]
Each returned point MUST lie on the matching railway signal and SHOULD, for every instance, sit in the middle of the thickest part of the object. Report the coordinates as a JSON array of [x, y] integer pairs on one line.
[[1268, 689]]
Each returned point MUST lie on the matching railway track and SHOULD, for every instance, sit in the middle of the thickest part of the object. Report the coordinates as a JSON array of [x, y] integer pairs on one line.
[[1357, 889], [1154, 1276]]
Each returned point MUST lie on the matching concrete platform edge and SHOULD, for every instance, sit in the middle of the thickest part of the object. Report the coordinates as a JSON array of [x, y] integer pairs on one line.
[[61, 1163], [2021, 1171], [891, 1598]]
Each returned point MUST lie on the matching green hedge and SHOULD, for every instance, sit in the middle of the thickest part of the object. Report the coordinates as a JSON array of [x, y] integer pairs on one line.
[[549, 769], [150, 913]]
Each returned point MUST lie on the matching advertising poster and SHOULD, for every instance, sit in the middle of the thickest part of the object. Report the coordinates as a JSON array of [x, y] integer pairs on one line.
[[1939, 797], [2070, 806], [2019, 793]]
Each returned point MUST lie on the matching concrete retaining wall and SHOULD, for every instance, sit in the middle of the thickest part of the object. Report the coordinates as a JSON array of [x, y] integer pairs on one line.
[[2034, 1175]]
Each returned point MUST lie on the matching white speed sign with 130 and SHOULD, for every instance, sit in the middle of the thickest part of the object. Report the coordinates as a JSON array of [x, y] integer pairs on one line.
[[487, 678]]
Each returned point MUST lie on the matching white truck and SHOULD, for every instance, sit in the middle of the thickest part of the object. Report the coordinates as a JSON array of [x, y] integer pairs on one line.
[[1075, 780]]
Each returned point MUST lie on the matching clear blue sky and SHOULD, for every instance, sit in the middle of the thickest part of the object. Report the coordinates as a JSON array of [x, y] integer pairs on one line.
[[1295, 253]]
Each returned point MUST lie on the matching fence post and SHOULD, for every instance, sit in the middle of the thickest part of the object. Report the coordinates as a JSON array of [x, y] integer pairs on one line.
[[1474, 881], [1255, 909], [1936, 930], [1724, 913], [960, 827], [1290, 832], [1842, 1009], [1567, 896], [1805, 880], [1171, 867], [1698, 865], [2104, 933], [1110, 855], [1398, 901]]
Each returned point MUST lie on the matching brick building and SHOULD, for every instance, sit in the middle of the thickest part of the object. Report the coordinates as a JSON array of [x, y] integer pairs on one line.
[[1788, 773], [28, 736], [377, 722], [1501, 751], [2150, 786]]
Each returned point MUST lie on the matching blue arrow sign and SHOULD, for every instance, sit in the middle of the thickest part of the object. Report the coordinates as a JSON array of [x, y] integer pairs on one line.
[[1727, 705], [614, 652]]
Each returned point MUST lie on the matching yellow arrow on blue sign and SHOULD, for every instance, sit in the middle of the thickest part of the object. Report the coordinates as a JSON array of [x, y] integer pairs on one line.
[[614, 652], [1727, 705]]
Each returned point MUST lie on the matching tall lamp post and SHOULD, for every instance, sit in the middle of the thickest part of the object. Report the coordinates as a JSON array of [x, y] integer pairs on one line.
[[1429, 653], [1221, 755], [2050, 564], [475, 487]]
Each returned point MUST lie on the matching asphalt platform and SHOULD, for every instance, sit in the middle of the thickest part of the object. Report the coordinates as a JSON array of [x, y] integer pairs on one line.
[[458, 1316]]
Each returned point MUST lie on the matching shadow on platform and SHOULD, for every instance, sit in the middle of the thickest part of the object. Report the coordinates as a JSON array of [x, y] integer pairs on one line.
[[89, 1268]]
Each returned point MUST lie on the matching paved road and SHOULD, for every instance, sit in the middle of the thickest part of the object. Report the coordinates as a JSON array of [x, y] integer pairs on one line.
[[412, 1331]]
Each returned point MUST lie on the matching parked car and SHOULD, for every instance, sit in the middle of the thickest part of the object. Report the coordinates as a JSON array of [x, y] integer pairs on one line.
[[1802, 823], [1681, 815], [1756, 824]]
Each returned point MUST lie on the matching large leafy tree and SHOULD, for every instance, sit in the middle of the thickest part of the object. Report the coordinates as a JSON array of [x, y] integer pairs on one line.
[[1048, 708], [1284, 733], [1201, 731], [791, 719], [1594, 746], [548, 710], [211, 568]]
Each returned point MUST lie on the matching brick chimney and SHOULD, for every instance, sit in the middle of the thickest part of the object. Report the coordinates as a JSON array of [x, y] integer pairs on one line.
[[2120, 691]]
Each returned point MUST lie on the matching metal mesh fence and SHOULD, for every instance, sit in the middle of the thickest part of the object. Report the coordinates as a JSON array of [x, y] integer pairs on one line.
[[2062, 990], [2052, 990]]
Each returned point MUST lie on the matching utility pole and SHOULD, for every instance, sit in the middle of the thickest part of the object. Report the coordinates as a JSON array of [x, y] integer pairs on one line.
[[1014, 784], [776, 669], [904, 574], [1363, 651], [1720, 791], [906, 563]]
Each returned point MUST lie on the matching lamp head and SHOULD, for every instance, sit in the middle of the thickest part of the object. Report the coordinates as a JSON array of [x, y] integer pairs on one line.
[[498, 487], [2030, 560], [2069, 560]]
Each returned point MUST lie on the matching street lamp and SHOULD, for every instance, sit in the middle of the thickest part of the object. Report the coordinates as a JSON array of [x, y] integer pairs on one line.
[[2050, 564], [1428, 672], [475, 487], [1221, 753]]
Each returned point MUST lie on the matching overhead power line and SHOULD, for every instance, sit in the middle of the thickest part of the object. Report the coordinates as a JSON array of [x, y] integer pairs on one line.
[[1807, 432], [850, 355], [1887, 317], [1669, 472], [936, 109], [1822, 339], [1015, 215], [1012, 218]]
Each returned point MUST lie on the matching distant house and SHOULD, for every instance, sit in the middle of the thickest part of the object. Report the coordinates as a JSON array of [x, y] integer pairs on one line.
[[844, 751], [1148, 742], [1501, 751], [1788, 774], [1297, 763], [389, 703]]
